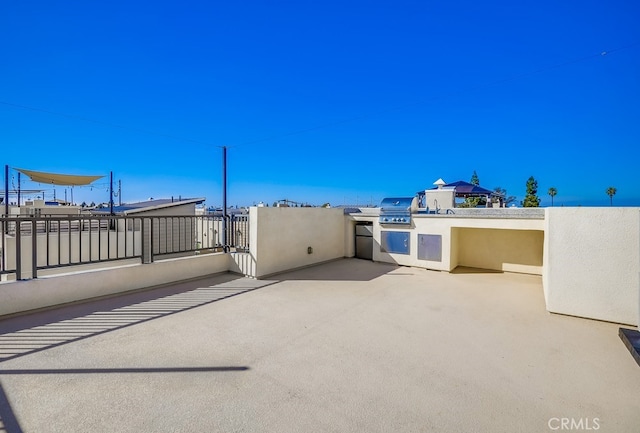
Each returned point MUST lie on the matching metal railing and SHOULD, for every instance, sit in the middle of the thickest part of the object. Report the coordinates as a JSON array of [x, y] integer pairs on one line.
[[29, 244]]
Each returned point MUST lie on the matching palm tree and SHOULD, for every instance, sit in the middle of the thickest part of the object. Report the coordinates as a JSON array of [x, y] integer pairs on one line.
[[552, 192], [611, 191]]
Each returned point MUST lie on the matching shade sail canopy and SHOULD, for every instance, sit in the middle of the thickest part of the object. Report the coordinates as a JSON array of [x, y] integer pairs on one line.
[[59, 179]]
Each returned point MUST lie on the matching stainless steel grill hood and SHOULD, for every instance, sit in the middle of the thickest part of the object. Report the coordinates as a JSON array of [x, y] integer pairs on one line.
[[397, 210]]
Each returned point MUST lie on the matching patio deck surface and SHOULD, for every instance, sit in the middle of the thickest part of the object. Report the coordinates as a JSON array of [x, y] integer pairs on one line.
[[347, 346]]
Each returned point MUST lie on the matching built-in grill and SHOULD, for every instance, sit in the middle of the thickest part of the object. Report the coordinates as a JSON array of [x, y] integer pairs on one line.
[[397, 210]]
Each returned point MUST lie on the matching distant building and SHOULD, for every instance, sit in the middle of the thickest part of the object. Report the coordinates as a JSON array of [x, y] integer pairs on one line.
[[41, 208], [154, 207]]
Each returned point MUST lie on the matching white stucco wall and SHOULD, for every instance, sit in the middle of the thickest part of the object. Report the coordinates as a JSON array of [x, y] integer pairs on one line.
[[19, 296], [501, 250], [437, 199], [592, 263], [280, 237]]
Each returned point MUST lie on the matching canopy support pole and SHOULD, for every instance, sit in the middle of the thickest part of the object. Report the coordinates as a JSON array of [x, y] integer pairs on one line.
[[6, 190]]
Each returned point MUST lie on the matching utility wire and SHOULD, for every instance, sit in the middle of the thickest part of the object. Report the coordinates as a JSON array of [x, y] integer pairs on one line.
[[338, 122]]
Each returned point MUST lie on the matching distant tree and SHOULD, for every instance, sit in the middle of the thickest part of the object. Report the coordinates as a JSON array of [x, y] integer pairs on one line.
[[83, 204], [93, 204], [326, 205], [508, 199], [611, 191], [473, 201], [470, 202], [475, 180], [552, 192], [531, 199]]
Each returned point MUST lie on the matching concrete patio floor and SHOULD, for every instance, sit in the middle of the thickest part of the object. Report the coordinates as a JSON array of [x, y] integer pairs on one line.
[[348, 346]]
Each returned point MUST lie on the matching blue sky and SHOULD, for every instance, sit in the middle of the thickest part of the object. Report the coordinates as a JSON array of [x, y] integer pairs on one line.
[[328, 101]]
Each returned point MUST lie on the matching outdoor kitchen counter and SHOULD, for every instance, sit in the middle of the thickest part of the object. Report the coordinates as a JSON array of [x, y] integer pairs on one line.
[[490, 213]]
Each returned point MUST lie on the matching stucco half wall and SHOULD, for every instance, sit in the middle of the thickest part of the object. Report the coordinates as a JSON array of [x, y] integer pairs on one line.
[[592, 263], [281, 237]]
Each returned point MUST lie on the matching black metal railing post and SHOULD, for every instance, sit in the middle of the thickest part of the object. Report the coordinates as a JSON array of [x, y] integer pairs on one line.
[[143, 244], [80, 229], [151, 240], [34, 248], [90, 242], [47, 228], [3, 263], [18, 251]]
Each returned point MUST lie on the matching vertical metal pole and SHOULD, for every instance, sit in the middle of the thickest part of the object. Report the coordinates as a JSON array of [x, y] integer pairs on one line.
[[47, 229], [224, 200], [111, 193], [5, 223], [59, 246], [6, 190], [119, 193], [90, 247], [18, 189]]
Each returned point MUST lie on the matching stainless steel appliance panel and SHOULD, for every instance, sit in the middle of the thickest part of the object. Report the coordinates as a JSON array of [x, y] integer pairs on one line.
[[364, 247], [430, 247], [395, 242], [364, 241], [364, 230]]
